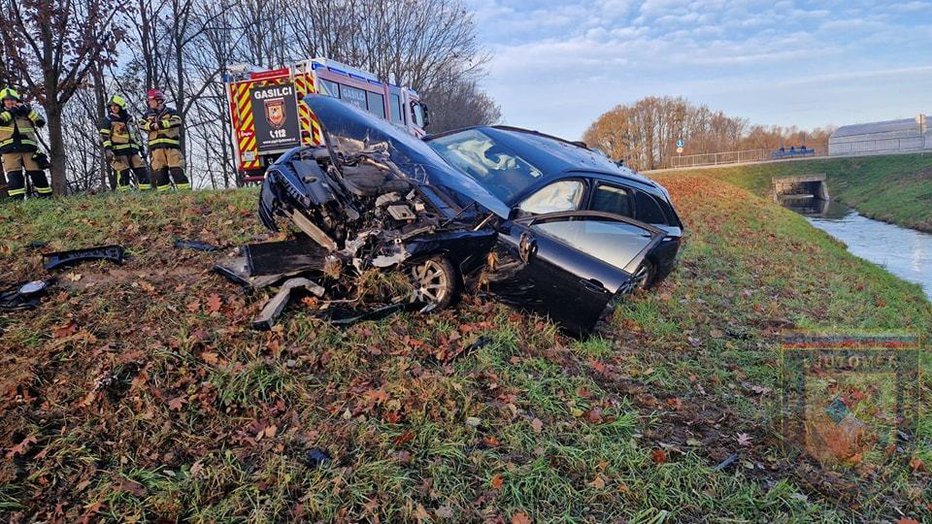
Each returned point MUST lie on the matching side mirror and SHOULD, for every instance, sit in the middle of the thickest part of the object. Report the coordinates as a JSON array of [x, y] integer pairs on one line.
[[426, 115]]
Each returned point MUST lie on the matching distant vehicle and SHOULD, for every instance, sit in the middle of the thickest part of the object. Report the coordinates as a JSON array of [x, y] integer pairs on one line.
[[792, 152], [269, 116], [546, 224]]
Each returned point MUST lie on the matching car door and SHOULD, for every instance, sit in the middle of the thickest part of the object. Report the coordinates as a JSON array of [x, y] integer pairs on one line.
[[568, 265]]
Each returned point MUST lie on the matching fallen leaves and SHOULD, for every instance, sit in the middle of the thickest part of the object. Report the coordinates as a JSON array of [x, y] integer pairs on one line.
[[659, 456], [744, 439], [129, 486], [214, 302], [177, 403], [64, 330], [21, 448], [496, 481], [916, 465], [537, 425], [520, 518]]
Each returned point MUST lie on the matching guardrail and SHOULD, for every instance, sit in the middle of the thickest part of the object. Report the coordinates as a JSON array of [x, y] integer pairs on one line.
[[737, 157]]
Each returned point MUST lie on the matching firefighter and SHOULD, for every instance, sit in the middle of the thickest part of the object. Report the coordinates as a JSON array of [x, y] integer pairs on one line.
[[118, 134], [19, 146], [165, 157]]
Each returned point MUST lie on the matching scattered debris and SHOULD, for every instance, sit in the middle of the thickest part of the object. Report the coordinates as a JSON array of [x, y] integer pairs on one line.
[[346, 317], [289, 256], [316, 457], [59, 259], [731, 459], [25, 295], [196, 245], [274, 307]]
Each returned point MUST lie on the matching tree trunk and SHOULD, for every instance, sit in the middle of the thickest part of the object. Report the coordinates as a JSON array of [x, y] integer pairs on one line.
[[56, 148]]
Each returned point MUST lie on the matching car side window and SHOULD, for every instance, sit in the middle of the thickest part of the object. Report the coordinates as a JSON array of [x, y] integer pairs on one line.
[[648, 210], [612, 199], [616, 243], [565, 195]]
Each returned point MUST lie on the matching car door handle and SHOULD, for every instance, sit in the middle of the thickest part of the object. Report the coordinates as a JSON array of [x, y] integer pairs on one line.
[[592, 285]]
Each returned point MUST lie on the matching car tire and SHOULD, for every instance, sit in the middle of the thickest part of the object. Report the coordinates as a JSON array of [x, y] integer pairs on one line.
[[434, 282], [645, 276]]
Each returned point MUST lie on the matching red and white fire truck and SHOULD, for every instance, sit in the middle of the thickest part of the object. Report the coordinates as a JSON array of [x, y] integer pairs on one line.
[[269, 116]]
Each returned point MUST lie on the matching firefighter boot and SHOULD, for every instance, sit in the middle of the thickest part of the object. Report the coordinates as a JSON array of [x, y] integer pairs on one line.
[[181, 181], [41, 183], [15, 185], [161, 180], [142, 178], [123, 184]]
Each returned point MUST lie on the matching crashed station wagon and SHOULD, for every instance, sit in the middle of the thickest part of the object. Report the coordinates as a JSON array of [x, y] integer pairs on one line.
[[538, 222]]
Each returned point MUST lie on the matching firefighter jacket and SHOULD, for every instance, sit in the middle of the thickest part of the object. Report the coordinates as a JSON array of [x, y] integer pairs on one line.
[[118, 134], [18, 129], [164, 127]]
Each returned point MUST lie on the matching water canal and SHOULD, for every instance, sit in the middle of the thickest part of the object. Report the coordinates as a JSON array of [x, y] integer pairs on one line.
[[905, 252]]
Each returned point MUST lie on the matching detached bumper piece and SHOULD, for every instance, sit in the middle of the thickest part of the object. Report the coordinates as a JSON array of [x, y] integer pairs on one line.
[[274, 307], [61, 259], [26, 295], [196, 245]]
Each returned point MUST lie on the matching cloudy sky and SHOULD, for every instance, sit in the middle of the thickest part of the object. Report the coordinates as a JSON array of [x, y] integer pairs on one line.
[[558, 65]]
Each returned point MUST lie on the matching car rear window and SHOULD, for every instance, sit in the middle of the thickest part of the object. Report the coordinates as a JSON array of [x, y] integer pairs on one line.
[[648, 210]]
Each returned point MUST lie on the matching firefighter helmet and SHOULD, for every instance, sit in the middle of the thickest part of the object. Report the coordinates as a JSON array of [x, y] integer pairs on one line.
[[155, 94], [117, 100], [9, 93]]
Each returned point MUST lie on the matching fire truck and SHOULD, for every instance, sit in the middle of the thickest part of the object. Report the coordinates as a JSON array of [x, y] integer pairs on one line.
[[269, 116]]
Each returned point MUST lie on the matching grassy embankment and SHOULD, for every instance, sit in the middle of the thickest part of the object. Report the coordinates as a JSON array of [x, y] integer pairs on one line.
[[139, 392], [894, 188]]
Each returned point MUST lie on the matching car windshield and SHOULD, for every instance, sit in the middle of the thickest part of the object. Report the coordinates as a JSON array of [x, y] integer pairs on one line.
[[493, 165]]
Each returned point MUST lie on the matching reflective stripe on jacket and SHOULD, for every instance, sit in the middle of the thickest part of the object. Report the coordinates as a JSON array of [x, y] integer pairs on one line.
[[168, 133], [117, 133], [18, 130]]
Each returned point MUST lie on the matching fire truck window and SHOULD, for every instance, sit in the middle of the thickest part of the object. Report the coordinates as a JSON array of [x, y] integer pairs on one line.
[[418, 114], [376, 104], [330, 88], [354, 96], [396, 109]]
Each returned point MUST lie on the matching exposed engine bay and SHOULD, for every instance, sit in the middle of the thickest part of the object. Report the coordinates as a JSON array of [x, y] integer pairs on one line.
[[362, 211]]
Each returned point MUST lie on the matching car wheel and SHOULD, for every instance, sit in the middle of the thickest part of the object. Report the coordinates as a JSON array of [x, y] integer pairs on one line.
[[434, 282], [644, 276]]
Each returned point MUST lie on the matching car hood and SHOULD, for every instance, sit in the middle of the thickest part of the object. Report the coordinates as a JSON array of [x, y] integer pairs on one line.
[[350, 129]]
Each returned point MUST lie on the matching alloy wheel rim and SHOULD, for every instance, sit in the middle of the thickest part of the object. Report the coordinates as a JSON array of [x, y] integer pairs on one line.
[[430, 281]]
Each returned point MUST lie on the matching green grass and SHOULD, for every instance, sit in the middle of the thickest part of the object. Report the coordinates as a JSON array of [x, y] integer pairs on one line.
[[893, 188], [144, 405]]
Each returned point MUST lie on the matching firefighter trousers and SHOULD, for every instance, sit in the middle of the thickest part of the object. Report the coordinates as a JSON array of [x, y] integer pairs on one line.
[[122, 166], [167, 162], [13, 166]]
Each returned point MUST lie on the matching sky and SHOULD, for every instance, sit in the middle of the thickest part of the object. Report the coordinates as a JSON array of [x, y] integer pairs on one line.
[[557, 66]]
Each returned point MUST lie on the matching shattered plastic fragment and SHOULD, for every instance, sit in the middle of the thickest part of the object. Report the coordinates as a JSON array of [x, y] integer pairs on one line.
[[316, 457], [196, 245], [61, 259], [24, 296], [274, 307]]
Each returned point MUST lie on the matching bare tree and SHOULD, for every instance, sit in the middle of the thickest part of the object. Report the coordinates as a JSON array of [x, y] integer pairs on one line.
[[49, 47]]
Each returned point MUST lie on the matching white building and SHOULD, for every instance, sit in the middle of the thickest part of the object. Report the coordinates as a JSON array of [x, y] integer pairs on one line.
[[878, 138]]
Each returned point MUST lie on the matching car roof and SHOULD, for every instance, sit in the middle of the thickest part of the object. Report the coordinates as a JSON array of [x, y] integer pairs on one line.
[[555, 156]]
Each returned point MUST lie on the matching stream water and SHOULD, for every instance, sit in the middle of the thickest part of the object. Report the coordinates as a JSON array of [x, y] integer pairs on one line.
[[905, 252]]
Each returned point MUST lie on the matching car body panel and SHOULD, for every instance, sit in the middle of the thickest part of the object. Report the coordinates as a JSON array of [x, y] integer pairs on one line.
[[541, 271], [568, 265], [350, 129]]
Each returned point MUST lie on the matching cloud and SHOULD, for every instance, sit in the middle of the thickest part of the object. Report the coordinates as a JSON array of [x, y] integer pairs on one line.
[[559, 67]]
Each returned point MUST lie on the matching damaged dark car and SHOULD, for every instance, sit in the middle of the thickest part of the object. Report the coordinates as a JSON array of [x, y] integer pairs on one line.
[[540, 223]]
